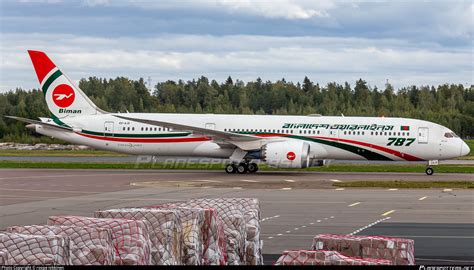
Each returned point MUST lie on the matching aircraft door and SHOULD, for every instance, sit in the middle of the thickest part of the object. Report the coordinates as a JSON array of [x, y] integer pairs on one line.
[[423, 135], [334, 133], [211, 126], [109, 128]]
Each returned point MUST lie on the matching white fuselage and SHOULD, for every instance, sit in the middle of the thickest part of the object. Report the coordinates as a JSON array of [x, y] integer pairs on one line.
[[330, 137]]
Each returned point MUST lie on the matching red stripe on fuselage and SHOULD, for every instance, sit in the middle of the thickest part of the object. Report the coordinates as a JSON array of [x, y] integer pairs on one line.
[[145, 140], [374, 146]]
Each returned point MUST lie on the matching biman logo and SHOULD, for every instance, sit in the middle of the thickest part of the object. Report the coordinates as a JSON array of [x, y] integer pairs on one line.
[[290, 156], [63, 95]]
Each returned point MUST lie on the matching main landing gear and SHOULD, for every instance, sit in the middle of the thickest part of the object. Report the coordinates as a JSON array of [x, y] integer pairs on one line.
[[243, 167]]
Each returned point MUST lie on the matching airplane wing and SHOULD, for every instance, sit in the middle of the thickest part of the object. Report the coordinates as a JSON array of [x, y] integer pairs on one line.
[[226, 136], [31, 121]]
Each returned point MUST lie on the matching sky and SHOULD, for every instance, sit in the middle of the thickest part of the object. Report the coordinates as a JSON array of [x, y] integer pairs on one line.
[[405, 42]]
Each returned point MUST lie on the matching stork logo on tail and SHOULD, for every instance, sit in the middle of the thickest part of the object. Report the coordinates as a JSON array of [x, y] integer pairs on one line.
[[63, 95]]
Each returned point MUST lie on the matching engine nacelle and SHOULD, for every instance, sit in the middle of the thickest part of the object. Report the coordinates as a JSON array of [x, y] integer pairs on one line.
[[288, 154]]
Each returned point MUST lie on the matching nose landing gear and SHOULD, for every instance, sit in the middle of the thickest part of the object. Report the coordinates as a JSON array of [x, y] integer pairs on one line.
[[429, 170]]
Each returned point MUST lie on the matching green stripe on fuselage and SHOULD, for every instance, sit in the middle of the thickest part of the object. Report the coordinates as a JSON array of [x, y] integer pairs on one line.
[[370, 155]]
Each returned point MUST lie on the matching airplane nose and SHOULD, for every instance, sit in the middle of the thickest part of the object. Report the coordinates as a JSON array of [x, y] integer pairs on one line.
[[464, 149]]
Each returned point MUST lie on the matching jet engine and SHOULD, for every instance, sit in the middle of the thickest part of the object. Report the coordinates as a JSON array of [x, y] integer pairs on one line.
[[287, 154]]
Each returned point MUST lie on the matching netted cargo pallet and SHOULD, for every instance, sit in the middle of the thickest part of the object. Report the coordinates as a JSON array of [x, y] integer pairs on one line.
[[251, 208], [323, 257], [165, 231], [24, 249], [398, 250], [234, 226], [211, 231], [192, 237], [130, 237], [3, 257], [89, 246]]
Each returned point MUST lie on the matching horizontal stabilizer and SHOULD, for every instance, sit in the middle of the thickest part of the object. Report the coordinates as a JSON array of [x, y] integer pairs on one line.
[[36, 122]]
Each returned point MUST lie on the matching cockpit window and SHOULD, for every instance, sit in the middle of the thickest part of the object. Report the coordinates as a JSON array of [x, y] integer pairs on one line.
[[450, 135]]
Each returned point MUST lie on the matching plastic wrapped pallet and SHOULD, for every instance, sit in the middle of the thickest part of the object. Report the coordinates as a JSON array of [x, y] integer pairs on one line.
[[399, 251], [212, 232], [165, 231], [251, 208], [234, 226], [323, 257], [3, 257], [24, 249], [89, 246], [130, 237], [192, 238]]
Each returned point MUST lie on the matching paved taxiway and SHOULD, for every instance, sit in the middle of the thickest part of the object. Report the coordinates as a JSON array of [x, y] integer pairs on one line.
[[440, 221]]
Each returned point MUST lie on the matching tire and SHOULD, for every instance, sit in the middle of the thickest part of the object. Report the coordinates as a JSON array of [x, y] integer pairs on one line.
[[242, 168], [252, 167], [230, 168], [429, 171]]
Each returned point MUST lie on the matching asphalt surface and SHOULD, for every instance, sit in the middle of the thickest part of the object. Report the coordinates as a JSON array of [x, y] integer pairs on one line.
[[440, 220]]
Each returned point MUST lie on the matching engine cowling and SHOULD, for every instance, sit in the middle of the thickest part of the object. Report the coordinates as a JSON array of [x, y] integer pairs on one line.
[[288, 154]]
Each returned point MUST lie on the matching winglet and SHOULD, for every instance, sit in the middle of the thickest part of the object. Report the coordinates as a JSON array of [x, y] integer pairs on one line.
[[42, 64]]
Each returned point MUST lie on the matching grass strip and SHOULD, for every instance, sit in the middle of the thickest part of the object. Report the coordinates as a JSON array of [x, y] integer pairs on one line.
[[406, 184], [205, 166]]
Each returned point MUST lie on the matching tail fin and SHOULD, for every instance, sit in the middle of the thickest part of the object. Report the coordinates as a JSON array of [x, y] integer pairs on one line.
[[64, 99]]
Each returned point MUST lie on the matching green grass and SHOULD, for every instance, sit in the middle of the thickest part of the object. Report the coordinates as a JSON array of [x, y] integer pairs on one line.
[[406, 184], [58, 153], [332, 168]]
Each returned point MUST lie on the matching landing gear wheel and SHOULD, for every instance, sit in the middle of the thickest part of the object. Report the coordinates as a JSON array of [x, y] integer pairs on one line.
[[230, 168], [429, 171], [242, 168], [252, 167]]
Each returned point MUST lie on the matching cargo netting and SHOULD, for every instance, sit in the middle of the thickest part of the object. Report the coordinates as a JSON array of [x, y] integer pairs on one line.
[[165, 231], [24, 249], [398, 250], [89, 245], [211, 229], [130, 237], [324, 257]]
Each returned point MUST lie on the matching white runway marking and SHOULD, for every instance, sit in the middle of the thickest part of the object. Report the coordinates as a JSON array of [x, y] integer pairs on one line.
[[335, 180], [286, 188], [318, 220], [422, 198], [392, 189], [368, 226], [209, 181], [339, 188], [388, 213], [289, 180], [447, 190], [279, 234], [312, 223], [288, 231], [354, 204], [250, 181], [237, 188]]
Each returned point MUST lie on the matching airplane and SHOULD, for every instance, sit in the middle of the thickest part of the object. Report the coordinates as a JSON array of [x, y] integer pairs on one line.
[[281, 141]]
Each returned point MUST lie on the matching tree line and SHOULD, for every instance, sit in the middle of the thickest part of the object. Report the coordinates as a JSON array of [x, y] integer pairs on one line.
[[449, 105]]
